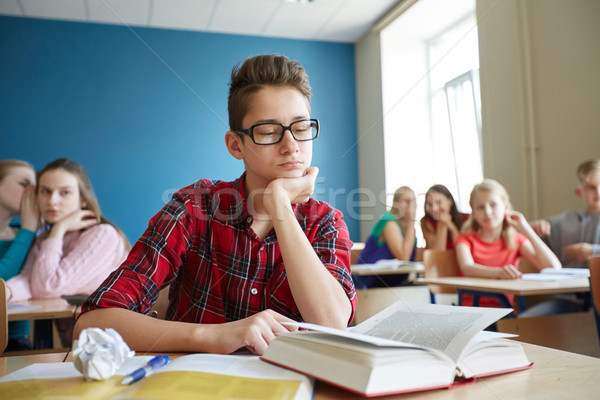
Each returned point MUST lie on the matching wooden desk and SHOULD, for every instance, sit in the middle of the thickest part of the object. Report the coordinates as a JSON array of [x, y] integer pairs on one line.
[[49, 309], [45, 311], [518, 287], [555, 375]]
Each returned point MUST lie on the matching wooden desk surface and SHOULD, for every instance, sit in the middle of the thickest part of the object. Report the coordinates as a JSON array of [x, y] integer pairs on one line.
[[519, 287], [368, 269], [555, 375], [48, 309]]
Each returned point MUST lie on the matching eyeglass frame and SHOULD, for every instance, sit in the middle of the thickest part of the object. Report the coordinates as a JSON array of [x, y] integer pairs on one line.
[[250, 131]]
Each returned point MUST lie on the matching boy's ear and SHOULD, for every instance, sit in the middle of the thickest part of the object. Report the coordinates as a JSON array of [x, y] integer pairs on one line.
[[234, 145], [578, 192]]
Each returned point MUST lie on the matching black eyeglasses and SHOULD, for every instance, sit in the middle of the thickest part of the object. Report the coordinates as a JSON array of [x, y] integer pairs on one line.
[[272, 132]]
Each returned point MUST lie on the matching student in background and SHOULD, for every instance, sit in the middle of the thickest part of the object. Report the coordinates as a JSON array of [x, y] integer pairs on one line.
[[17, 197], [241, 257], [393, 237], [573, 236], [494, 239], [442, 221], [78, 247]]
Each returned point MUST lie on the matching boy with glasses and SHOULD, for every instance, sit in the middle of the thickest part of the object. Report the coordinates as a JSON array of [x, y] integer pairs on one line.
[[242, 257]]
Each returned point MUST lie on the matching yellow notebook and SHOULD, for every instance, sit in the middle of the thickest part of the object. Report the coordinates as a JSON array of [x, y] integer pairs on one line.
[[195, 376]]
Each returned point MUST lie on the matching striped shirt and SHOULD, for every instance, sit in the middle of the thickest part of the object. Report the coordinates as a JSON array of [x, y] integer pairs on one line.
[[202, 244]]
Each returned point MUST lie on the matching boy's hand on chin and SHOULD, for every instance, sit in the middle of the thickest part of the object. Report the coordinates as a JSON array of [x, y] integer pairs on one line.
[[296, 190]]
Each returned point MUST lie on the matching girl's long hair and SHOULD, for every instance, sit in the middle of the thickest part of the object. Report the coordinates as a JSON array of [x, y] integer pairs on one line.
[[85, 190], [491, 185], [457, 218]]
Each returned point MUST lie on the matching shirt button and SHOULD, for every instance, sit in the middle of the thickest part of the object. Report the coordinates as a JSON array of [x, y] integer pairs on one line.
[[253, 291], [249, 220]]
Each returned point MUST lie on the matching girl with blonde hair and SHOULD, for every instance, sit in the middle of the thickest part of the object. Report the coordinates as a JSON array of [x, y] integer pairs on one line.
[[495, 237], [17, 197], [393, 237]]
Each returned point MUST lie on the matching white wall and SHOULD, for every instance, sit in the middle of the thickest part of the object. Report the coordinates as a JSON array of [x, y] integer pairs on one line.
[[540, 89], [371, 171]]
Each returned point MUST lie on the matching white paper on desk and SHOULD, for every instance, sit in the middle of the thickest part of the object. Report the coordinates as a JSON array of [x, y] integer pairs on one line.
[[66, 370], [13, 308], [43, 371], [549, 277], [388, 264]]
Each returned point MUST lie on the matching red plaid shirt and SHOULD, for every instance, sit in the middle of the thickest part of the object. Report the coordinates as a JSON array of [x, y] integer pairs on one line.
[[201, 243]]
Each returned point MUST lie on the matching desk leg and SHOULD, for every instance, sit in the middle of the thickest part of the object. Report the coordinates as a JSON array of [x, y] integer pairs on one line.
[[42, 334]]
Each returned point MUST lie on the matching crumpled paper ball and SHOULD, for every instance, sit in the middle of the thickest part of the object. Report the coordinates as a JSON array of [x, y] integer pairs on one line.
[[98, 353]]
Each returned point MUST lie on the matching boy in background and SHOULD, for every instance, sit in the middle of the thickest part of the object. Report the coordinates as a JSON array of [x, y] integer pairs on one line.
[[242, 257], [573, 236]]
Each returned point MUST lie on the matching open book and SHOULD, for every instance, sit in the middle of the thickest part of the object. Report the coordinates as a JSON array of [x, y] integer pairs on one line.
[[197, 376], [404, 348]]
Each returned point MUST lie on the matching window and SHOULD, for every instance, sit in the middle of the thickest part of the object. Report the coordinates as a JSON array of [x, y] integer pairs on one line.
[[432, 124]]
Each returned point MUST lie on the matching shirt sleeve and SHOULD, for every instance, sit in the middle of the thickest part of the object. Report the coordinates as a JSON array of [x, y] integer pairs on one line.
[[332, 244], [14, 258], [152, 263]]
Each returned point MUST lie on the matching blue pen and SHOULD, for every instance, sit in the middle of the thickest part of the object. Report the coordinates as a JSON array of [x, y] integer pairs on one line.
[[138, 374]]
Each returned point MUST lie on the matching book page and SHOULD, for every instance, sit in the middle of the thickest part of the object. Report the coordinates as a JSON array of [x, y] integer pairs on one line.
[[443, 328], [434, 326]]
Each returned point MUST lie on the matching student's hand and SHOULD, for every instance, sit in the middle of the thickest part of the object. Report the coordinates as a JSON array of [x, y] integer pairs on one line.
[[541, 227], [445, 219], [290, 190], [75, 221], [30, 212], [578, 251], [254, 333], [508, 272], [516, 220]]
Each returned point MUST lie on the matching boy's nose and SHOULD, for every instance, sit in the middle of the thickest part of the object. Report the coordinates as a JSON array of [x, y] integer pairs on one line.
[[288, 142]]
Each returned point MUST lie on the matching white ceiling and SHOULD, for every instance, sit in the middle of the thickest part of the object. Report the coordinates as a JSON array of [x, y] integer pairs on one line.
[[329, 20]]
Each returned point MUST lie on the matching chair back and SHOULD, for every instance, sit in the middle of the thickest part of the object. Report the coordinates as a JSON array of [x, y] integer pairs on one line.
[[440, 263], [594, 265], [357, 247], [3, 317]]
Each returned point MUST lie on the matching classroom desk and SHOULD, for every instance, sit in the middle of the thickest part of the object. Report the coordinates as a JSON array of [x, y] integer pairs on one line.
[[517, 287], [45, 309], [555, 375], [44, 312]]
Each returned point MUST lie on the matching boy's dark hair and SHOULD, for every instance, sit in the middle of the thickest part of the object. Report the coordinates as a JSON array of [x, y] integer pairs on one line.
[[257, 72]]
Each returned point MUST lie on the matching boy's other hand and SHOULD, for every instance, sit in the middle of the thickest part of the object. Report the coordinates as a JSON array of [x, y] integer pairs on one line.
[[541, 227], [254, 333], [578, 251]]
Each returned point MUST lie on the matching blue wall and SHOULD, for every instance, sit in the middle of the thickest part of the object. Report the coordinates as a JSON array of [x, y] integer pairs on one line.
[[145, 110]]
